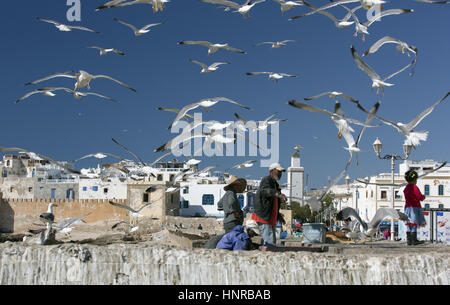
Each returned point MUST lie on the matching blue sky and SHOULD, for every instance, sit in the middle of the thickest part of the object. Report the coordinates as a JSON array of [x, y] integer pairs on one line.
[[65, 128]]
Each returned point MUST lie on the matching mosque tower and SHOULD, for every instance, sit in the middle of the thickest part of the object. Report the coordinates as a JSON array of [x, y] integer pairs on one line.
[[295, 178]]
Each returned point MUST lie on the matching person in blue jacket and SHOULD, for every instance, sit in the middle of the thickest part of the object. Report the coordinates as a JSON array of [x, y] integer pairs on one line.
[[240, 237]]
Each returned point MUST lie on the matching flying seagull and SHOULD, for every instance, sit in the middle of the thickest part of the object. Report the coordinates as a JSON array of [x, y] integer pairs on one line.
[[369, 229], [40, 157], [377, 82], [187, 115], [134, 213], [412, 137], [274, 76], [213, 47], [211, 68], [432, 2], [131, 227], [130, 152], [343, 23], [315, 202], [76, 94], [276, 44], [98, 155], [242, 9], [338, 118], [332, 94], [264, 124], [141, 31], [158, 5], [83, 79], [66, 28], [204, 103], [287, 5], [104, 51], [401, 46], [246, 164]]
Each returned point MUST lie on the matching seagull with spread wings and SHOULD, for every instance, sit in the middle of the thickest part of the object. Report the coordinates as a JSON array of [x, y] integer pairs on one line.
[[276, 44], [315, 202], [83, 79], [104, 51], [377, 82], [332, 95], [212, 47], [99, 156], [287, 5], [412, 137], [343, 23], [274, 76], [141, 31], [158, 5], [211, 68], [134, 213], [401, 47], [243, 9], [66, 28], [76, 94]]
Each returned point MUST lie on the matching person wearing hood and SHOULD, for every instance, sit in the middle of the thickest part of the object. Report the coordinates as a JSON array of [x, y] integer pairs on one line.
[[240, 237]]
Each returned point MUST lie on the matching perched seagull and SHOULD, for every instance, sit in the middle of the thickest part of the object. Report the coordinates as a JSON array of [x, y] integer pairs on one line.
[[332, 95], [369, 229], [412, 137], [156, 4], [204, 103], [76, 94], [40, 157], [338, 118], [141, 31], [48, 218], [401, 46], [242, 9], [106, 51], [83, 79], [287, 5], [66, 28], [352, 145], [315, 202], [213, 47], [134, 213], [377, 82], [276, 44], [99, 155], [210, 68], [343, 23], [245, 164], [274, 76]]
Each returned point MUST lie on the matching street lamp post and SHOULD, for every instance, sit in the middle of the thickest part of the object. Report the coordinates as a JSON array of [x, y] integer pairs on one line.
[[378, 147]]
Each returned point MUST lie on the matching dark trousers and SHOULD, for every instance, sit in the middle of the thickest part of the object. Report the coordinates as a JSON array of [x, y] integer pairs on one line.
[[228, 227]]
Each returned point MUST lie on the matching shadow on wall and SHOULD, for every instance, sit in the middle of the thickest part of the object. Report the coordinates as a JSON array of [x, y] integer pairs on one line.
[[6, 217]]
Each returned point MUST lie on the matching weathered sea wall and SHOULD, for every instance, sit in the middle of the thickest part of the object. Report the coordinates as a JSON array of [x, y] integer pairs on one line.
[[149, 264]]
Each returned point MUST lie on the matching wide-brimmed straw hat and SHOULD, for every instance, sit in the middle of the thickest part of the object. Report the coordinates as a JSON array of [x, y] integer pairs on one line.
[[234, 180]]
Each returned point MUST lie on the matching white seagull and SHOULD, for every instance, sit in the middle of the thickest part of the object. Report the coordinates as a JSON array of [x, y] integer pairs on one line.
[[343, 23], [187, 115], [432, 2], [76, 94], [262, 124], [99, 155], [377, 82], [104, 51], [274, 76], [83, 79], [315, 202], [246, 164], [204, 103], [287, 5], [276, 44], [213, 47], [158, 5], [401, 47], [242, 9], [48, 218], [141, 31], [134, 213], [332, 95], [66, 28], [211, 68], [412, 137], [369, 229]]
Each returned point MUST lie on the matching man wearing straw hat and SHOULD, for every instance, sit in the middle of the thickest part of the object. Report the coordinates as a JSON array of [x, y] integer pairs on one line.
[[230, 204], [267, 204]]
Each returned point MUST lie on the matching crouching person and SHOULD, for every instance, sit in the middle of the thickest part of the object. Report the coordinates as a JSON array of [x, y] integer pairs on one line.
[[240, 237]]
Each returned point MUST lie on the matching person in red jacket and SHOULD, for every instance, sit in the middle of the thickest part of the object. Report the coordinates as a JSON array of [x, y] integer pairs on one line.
[[413, 209]]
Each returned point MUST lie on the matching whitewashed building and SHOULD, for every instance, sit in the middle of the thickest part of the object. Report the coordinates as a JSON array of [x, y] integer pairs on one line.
[[295, 180], [97, 188]]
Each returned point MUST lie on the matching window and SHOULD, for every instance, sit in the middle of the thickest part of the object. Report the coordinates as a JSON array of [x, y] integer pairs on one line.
[[160, 177], [171, 177], [70, 194], [371, 194], [427, 190], [145, 197], [84, 188], [427, 205], [185, 204], [30, 189], [241, 200], [441, 190], [383, 195], [186, 190], [11, 189], [95, 188], [105, 190], [7, 163], [52, 193], [208, 199], [397, 195]]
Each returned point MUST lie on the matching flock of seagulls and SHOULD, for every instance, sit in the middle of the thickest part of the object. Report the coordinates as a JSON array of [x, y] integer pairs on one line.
[[83, 79]]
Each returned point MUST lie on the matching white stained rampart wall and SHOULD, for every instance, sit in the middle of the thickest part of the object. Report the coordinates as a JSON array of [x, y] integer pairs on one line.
[[146, 264]]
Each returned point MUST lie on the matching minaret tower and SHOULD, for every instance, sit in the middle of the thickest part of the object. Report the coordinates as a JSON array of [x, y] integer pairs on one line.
[[295, 178]]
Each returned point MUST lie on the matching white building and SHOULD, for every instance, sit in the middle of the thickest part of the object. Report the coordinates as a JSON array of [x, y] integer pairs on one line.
[[97, 188], [295, 179]]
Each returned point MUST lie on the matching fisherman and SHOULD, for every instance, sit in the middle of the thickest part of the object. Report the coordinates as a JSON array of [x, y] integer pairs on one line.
[[267, 204], [240, 237], [230, 204]]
